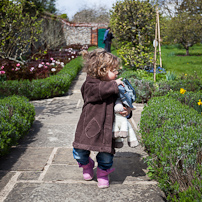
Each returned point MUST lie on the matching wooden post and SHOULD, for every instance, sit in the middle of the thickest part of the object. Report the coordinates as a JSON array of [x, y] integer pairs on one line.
[[159, 37], [155, 47]]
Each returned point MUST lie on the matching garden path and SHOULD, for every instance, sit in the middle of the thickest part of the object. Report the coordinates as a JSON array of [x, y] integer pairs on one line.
[[42, 168]]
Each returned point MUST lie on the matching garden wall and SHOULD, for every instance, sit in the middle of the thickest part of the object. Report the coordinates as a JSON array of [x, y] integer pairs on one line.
[[81, 33]]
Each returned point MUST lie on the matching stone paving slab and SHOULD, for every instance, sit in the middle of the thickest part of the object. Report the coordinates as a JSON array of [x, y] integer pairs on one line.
[[21, 159], [49, 135], [33, 175], [129, 167], [69, 113], [63, 173], [60, 192], [5, 176], [64, 156]]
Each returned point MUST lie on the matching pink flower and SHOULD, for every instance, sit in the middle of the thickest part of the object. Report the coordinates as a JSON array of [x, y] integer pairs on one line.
[[42, 63], [45, 67], [51, 58], [47, 63], [2, 67], [12, 69], [18, 65], [31, 69], [2, 72]]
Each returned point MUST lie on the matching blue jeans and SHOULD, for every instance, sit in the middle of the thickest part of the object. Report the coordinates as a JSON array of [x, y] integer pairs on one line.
[[105, 160]]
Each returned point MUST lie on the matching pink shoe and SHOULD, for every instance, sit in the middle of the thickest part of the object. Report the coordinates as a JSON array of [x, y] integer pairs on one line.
[[102, 177], [88, 172]]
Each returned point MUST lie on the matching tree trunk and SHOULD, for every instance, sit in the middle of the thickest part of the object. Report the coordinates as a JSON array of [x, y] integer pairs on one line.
[[187, 51]]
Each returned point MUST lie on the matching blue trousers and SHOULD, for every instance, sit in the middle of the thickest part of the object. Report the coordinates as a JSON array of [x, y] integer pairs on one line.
[[105, 160]]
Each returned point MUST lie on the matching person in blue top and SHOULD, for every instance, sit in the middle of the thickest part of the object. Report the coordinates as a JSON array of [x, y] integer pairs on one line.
[[108, 36]]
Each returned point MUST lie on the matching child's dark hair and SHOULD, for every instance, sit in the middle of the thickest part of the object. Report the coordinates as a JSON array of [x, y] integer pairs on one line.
[[98, 62]]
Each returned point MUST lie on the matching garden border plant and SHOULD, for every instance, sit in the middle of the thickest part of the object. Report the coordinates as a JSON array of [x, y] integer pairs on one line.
[[146, 89], [171, 133], [16, 118]]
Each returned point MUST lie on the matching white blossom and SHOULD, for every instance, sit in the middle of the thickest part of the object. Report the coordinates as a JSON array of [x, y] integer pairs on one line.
[[53, 70], [62, 64]]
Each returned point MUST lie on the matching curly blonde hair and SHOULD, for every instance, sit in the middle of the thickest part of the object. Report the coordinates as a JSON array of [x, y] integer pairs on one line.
[[98, 62]]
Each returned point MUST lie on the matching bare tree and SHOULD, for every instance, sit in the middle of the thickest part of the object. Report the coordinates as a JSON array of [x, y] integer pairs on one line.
[[92, 15]]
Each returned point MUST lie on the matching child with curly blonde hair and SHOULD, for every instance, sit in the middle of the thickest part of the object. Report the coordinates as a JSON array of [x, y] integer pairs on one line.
[[94, 129]]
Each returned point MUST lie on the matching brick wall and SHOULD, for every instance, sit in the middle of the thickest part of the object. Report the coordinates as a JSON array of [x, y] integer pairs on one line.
[[76, 33]]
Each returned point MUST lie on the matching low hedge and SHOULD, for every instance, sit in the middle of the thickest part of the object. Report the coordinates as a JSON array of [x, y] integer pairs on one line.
[[43, 88], [171, 133], [16, 118]]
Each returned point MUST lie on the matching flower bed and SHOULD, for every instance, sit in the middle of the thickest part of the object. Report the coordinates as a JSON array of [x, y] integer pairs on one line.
[[192, 99], [55, 85], [145, 89], [50, 86], [39, 66], [171, 133]]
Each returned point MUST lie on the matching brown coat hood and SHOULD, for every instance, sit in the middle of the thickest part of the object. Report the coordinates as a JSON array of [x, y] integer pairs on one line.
[[94, 129]]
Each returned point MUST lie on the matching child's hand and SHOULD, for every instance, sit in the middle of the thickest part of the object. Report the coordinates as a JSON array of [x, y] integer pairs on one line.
[[119, 82], [126, 111]]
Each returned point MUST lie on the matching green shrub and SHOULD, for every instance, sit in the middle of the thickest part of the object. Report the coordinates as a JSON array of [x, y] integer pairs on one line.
[[43, 88], [16, 118], [171, 133]]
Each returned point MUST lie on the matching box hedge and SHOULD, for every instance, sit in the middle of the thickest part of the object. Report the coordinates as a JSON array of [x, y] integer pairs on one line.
[[172, 135], [16, 118]]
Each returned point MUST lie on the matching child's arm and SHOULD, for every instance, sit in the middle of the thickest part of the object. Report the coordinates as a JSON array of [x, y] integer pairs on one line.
[[98, 91]]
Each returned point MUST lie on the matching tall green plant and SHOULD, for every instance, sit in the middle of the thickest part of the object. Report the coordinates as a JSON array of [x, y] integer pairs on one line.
[[18, 29], [132, 23]]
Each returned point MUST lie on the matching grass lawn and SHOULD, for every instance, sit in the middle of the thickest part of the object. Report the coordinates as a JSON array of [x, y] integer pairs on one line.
[[173, 60]]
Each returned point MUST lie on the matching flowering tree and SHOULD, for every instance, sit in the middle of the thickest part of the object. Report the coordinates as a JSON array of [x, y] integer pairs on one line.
[[132, 23], [18, 30]]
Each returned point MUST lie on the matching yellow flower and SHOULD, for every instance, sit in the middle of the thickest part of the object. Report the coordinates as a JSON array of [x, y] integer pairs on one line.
[[182, 91], [199, 102], [185, 74]]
